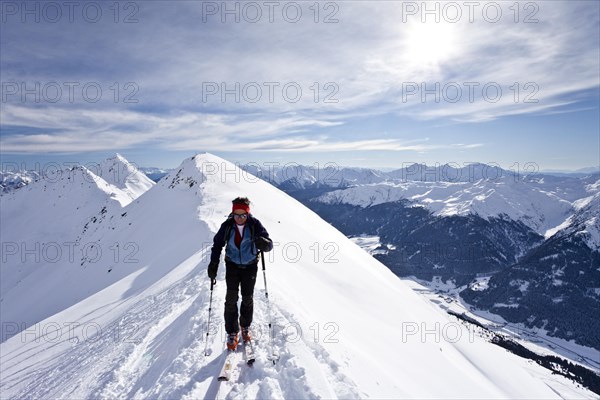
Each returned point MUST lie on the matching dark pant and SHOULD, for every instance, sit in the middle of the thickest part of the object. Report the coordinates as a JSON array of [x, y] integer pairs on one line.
[[237, 277]]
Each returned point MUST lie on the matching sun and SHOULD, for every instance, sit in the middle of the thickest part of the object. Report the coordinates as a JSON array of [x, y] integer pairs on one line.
[[429, 44]]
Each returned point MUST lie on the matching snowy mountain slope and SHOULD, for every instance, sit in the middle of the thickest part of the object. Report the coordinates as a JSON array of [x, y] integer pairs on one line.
[[541, 201], [52, 225], [124, 175], [485, 227], [556, 285], [42, 232], [414, 243], [346, 327], [585, 222], [297, 176], [13, 180], [116, 171], [539, 205]]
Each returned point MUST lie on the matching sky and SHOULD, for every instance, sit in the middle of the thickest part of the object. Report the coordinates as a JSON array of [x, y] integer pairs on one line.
[[358, 83]]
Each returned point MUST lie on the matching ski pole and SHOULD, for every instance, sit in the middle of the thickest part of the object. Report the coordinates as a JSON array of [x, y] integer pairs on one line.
[[272, 357], [212, 284]]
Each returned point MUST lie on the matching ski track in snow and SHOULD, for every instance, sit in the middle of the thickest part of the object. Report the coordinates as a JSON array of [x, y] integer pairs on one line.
[[156, 350]]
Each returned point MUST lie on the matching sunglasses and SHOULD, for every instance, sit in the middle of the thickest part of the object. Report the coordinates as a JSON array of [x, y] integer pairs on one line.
[[242, 216]]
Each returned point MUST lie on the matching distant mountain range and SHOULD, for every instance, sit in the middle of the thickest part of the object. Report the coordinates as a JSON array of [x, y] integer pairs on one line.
[[577, 172], [534, 238], [332, 175]]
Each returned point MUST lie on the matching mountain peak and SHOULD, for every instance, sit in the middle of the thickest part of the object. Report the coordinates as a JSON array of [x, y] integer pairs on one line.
[[119, 172], [207, 167], [119, 157]]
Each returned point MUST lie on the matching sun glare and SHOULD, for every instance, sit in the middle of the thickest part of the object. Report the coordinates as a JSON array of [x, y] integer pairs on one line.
[[429, 44]]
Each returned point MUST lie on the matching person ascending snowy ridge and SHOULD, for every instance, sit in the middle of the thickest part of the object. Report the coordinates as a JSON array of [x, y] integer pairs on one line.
[[244, 236]]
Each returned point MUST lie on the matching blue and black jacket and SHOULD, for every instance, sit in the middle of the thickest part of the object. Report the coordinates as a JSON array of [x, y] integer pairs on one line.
[[247, 252]]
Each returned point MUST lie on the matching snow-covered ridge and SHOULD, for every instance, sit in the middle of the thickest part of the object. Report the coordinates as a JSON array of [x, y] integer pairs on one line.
[[585, 222], [125, 176], [116, 171], [133, 324], [44, 224], [543, 202], [540, 204], [332, 174], [10, 181]]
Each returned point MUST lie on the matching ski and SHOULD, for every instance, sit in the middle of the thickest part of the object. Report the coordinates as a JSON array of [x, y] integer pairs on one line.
[[228, 365], [249, 352], [232, 360]]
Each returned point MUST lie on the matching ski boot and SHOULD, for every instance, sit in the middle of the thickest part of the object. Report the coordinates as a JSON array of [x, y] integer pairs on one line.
[[246, 335], [232, 341]]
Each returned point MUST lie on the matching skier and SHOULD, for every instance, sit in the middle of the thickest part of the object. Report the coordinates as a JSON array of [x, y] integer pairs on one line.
[[244, 236]]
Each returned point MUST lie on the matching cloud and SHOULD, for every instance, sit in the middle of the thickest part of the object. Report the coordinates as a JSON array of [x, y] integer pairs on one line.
[[58, 130], [202, 83]]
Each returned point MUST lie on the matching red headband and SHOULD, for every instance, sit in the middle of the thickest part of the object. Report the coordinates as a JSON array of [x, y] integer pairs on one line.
[[244, 207]]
